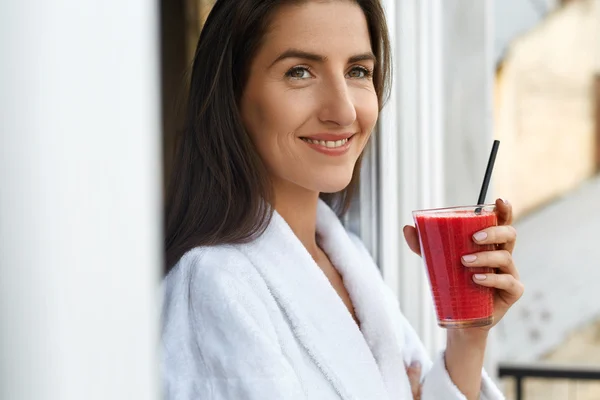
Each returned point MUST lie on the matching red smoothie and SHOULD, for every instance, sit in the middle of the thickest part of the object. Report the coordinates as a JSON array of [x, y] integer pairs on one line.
[[447, 235]]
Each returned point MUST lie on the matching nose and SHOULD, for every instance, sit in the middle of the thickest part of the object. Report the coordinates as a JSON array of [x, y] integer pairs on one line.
[[337, 106]]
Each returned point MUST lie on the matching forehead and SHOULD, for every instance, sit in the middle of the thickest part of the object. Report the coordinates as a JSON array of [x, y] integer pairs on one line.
[[327, 27]]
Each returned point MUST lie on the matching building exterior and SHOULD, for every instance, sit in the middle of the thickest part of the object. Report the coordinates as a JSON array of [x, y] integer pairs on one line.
[[545, 107]]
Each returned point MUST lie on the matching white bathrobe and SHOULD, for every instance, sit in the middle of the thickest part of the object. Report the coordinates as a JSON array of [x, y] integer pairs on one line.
[[260, 321]]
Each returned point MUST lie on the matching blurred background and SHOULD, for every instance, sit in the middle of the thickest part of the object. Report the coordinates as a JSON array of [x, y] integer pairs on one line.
[[547, 112], [91, 98]]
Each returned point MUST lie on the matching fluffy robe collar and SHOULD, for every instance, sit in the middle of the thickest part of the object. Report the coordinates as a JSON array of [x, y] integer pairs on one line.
[[360, 363]]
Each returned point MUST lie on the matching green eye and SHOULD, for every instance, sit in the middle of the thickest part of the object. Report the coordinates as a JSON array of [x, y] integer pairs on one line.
[[298, 73], [360, 73]]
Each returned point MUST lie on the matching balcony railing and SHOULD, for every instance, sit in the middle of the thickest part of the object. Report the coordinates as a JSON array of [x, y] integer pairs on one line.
[[520, 372]]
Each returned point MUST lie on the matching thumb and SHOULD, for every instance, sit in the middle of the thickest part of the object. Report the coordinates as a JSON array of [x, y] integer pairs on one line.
[[412, 239]]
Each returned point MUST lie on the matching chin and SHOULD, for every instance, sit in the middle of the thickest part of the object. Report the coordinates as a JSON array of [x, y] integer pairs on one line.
[[334, 185], [324, 179]]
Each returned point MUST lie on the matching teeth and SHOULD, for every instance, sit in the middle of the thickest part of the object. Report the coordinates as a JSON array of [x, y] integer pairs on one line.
[[327, 143]]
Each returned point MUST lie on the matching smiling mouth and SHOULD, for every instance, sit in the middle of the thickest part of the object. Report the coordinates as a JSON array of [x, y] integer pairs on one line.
[[330, 144]]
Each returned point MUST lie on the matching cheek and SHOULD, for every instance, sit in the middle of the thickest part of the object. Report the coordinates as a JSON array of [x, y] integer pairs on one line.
[[256, 114], [270, 125], [369, 108], [367, 112]]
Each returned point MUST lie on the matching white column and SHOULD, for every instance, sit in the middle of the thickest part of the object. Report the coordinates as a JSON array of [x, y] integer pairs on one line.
[[411, 142], [431, 139], [79, 200], [434, 133]]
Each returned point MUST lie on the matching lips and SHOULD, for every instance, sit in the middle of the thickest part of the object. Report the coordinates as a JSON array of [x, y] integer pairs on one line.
[[330, 144], [329, 137]]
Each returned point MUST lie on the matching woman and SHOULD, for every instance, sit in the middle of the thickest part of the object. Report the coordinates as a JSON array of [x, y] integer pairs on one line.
[[267, 295]]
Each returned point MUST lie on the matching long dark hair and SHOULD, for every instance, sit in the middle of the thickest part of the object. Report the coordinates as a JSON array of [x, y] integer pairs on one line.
[[219, 191]]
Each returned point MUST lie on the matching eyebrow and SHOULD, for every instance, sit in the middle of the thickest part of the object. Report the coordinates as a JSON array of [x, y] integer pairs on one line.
[[295, 53]]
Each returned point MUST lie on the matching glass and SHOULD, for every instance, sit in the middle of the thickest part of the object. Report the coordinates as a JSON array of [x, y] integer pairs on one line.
[[446, 235]]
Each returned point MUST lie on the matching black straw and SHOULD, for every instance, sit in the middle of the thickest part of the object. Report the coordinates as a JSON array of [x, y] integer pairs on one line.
[[488, 173]]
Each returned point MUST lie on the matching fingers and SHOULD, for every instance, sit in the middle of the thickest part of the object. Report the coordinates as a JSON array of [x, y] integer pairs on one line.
[[505, 235], [412, 239], [508, 283], [414, 377], [500, 259], [504, 212]]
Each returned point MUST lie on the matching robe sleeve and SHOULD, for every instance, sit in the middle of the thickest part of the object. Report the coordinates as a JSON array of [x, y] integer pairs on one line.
[[225, 346], [436, 381]]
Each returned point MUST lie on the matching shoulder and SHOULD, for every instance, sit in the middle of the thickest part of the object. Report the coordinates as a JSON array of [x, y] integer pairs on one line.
[[216, 288], [215, 279], [215, 283], [210, 269], [218, 326]]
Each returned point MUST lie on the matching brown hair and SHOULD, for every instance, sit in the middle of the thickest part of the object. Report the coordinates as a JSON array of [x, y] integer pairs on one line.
[[219, 190]]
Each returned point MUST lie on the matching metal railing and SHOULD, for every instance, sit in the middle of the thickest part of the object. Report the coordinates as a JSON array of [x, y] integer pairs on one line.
[[520, 372]]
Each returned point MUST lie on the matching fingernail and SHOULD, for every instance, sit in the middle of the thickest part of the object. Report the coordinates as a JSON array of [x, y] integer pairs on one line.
[[504, 201], [415, 364], [469, 258], [480, 236], [480, 277]]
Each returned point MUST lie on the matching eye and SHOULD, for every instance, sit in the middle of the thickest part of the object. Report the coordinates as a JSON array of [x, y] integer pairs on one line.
[[299, 73], [359, 72]]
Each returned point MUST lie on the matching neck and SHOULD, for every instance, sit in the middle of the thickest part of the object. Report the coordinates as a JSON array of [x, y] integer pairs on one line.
[[298, 207]]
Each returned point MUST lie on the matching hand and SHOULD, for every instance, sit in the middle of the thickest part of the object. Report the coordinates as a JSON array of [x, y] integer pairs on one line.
[[414, 377], [506, 282]]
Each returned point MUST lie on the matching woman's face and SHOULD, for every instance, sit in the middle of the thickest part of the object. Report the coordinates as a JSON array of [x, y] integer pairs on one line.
[[310, 104]]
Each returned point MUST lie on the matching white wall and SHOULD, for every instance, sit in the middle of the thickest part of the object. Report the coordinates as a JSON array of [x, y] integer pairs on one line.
[[79, 200]]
